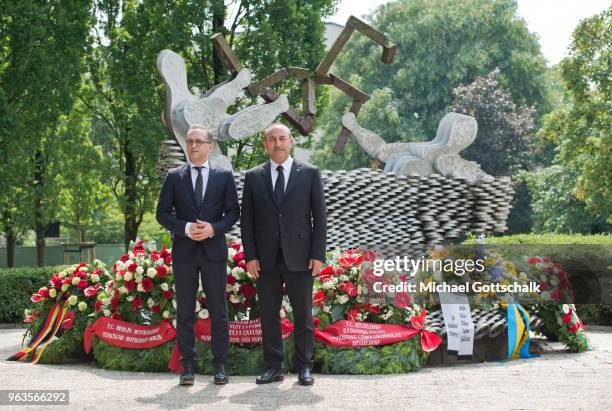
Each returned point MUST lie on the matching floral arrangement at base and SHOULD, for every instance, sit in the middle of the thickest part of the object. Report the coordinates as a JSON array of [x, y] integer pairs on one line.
[[73, 295], [566, 325], [344, 291]]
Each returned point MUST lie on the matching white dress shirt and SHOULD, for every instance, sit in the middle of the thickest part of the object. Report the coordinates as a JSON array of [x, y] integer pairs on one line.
[[194, 175], [286, 171]]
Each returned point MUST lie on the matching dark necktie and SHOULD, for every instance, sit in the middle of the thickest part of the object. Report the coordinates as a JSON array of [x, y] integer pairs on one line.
[[199, 186], [279, 186]]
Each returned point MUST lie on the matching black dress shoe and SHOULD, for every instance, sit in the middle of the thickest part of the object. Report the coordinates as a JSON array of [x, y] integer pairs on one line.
[[271, 375], [305, 377], [220, 375], [186, 377]]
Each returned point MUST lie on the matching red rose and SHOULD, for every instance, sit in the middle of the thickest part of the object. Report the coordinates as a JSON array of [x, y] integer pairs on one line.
[[132, 268], [231, 280], [154, 256], [138, 247], [555, 295], [156, 308], [130, 285], [575, 327], [81, 274], [567, 318], [351, 314], [372, 308], [99, 305], [242, 264], [248, 291], [114, 303], [339, 272], [534, 260], [238, 256], [147, 284], [236, 246], [168, 259], [162, 271], [125, 257], [543, 286], [116, 316], [82, 284], [44, 292], [164, 252], [167, 294], [327, 273], [136, 303], [319, 298]]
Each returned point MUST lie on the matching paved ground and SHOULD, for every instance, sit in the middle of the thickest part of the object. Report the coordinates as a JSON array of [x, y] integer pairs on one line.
[[556, 380]]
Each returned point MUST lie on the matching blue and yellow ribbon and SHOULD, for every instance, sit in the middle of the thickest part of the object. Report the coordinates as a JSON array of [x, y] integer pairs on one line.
[[518, 331]]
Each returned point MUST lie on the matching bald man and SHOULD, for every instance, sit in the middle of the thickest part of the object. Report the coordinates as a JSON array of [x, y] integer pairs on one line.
[[205, 204], [283, 228]]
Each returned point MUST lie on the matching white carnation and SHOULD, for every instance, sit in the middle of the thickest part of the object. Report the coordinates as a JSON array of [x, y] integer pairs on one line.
[[234, 298], [150, 302], [203, 314], [140, 288], [151, 272], [123, 290], [139, 269], [94, 278], [166, 314], [236, 271], [164, 286], [107, 312], [128, 276], [341, 299]]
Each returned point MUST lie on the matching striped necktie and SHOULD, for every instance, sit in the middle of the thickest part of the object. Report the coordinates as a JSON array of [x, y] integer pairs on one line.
[[199, 186]]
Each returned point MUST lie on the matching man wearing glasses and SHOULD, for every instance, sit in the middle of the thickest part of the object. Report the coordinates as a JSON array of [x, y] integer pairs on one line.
[[284, 224], [204, 199]]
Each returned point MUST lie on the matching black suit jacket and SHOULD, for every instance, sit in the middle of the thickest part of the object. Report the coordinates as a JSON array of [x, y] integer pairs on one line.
[[298, 226], [220, 208]]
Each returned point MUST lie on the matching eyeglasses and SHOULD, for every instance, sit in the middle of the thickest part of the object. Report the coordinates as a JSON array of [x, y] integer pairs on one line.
[[190, 142]]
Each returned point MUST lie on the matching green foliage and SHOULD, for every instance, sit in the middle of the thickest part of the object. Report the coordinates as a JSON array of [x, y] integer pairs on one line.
[[111, 357], [17, 286], [555, 205], [401, 357], [595, 314], [441, 44], [582, 128], [547, 239]]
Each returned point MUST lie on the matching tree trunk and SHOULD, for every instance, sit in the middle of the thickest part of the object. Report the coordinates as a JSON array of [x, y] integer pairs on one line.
[[218, 9], [11, 240], [39, 224], [130, 225]]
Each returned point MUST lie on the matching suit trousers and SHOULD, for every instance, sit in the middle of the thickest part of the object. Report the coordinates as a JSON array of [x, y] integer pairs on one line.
[[214, 280], [270, 295]]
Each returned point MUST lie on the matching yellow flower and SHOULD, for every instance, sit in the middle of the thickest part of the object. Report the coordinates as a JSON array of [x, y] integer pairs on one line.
[[72, 300], [82, 306]]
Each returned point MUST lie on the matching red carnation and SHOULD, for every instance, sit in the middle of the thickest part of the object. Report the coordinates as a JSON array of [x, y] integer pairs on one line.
[[99, 305], [56, 282], [231, 280], [567, 318], [534, 260], [164, 251], [82, 284], [242, 264], [114, 303], [319, 298], [236, 246], [116, 316], [372, 308], [543, 286], [575, 327], [156, 308], [138, 247], [248, 291], [147, 284], [130, 285], [351, 314], [238, 256], [132, 268], [136, 303], [168, 259], [125, 257], [168, 294], [162, 271], [44, 292], [154, 255]]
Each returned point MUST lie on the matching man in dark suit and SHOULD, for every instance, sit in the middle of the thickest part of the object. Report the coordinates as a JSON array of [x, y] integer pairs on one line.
[[205, 202], [284, 223]]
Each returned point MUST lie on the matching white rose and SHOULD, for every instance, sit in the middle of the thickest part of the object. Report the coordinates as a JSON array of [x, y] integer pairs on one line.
[[229, 288], [140, 288], [160, 261], [75, 280], [231, 253], [228, 270], [151, 272], [174, 304], [236, 287], [94, 278], [63, 274], [164, 286], [139, 270], [72, 300], [65, 287], [203, 314], [282, 313], [138, 278], [107, 312], [118, 277], [128, 276], [83, 269], [234, 298], [166, 314], [82, 306], [327, 285], [150, 302], [353, 270], [198, 306], [123, 290], [52, 293], [566, 308], [130, 298]]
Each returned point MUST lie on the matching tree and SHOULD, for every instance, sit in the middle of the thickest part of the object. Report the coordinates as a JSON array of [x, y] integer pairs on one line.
[[582, 129], [125, 92], [42, 46], [505, 132], [441, 44]]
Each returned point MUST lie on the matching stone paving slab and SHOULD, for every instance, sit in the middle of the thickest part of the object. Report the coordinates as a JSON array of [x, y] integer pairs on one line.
[[555, 380]]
